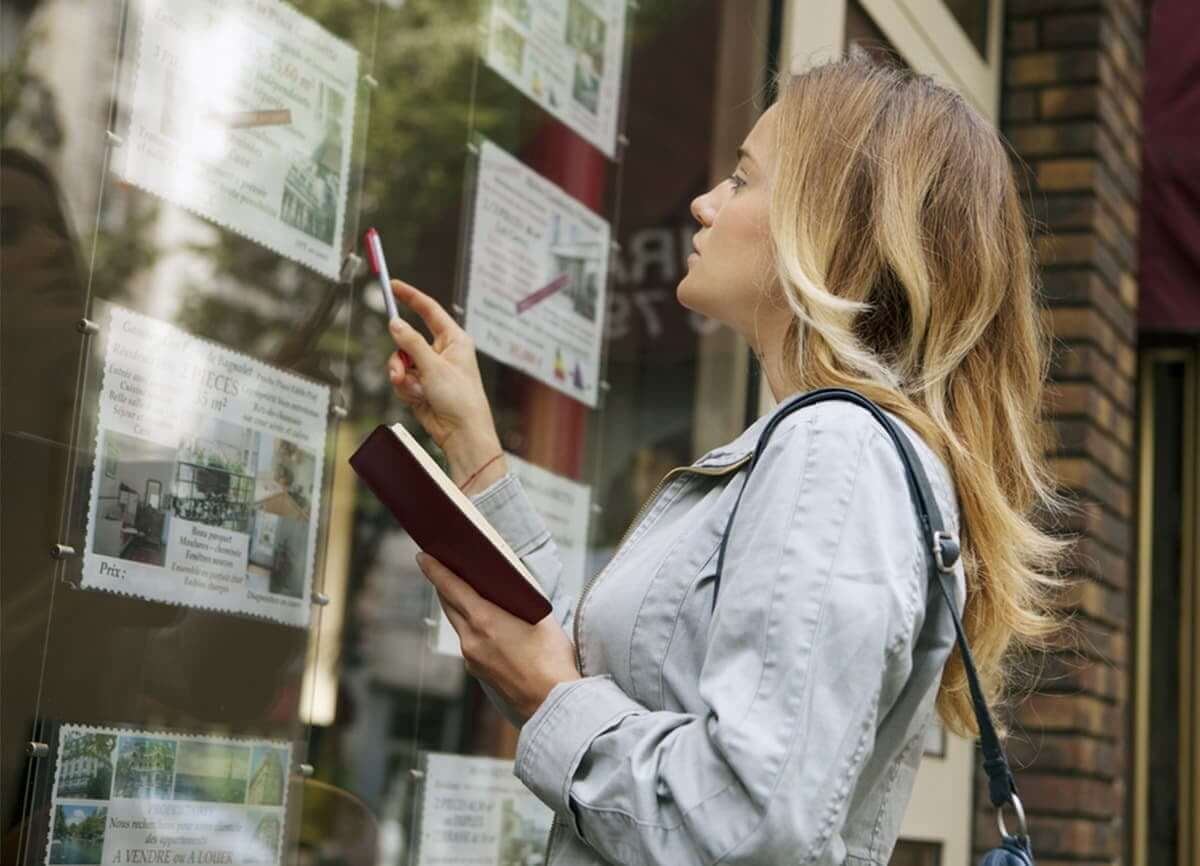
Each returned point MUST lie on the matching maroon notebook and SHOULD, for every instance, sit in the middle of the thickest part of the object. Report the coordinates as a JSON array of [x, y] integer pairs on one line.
[[444, 522]]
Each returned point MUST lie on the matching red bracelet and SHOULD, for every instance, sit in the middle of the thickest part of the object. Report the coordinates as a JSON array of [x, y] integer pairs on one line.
[[474, 475]]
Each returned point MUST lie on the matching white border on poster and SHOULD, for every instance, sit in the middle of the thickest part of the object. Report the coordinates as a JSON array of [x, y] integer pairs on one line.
[[243, 112], [537, 282], [236, 450], [157, 825], [474, 810]]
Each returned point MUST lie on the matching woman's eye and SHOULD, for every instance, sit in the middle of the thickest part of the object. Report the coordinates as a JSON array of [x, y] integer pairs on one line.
[[737, 182]]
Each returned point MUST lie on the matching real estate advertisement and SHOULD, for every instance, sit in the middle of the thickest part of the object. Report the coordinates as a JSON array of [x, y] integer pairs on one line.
[[565, 56], [243, 112], [207, 483], [474, 812], [537, 284], [565, 506], [124, 796]]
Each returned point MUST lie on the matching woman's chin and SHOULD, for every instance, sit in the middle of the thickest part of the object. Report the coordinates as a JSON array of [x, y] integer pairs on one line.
[[684, 293]]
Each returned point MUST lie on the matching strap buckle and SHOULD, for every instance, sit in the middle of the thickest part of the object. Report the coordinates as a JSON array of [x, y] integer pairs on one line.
[[945, 551], [1018, 811]]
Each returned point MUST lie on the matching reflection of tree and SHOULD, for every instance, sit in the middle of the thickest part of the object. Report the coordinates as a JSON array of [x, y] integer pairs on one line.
[[89, 829], [99, 746]]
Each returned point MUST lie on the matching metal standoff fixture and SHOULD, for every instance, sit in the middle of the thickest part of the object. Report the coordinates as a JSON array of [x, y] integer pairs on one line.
[[350, 266]]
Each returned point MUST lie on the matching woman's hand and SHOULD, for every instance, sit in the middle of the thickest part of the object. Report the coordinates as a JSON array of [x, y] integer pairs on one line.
[[522, 662], [443, 387]]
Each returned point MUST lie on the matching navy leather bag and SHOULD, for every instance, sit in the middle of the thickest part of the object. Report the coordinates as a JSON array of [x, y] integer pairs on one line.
[[943, 552]]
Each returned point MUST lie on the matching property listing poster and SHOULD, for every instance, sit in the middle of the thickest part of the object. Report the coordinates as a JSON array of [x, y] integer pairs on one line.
[[565, 506], [207, 484], [474, 812], [565, 56], [537, 284], [243, 112], [125, 796]]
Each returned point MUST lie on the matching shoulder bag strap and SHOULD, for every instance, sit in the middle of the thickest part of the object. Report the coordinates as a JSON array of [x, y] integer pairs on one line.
[[943, 552]]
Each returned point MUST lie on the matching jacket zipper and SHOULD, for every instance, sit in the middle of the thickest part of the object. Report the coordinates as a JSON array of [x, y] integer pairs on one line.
[[695, 470]]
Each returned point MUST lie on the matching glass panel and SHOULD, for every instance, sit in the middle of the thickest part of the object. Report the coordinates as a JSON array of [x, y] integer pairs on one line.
[[181, 184], [182, 188]]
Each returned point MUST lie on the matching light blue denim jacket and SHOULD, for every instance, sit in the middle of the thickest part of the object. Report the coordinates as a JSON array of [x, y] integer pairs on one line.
[[786, 726]]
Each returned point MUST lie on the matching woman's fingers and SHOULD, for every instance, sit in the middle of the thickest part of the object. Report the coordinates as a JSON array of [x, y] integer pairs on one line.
[[453, 589], [431, 312], [409, 339]]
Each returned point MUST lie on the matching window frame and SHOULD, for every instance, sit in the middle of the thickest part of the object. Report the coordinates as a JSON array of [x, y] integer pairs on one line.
[[1189, 607]]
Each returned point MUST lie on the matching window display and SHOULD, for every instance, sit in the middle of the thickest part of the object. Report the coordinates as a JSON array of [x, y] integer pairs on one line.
[[567, 57], [537, 284], [210, 485], [244, 113], [125, 796], [474, 812]]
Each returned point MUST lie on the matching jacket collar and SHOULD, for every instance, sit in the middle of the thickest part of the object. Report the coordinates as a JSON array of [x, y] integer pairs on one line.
[[745, 443]]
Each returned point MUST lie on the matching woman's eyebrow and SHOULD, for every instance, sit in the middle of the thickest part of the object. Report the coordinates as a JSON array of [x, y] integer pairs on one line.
[[746, 155]]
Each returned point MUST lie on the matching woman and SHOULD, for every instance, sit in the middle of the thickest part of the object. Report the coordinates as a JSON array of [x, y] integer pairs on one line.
[[871, 237]]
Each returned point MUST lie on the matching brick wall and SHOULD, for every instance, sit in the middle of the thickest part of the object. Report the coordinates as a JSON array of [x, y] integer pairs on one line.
[[1071, 100]]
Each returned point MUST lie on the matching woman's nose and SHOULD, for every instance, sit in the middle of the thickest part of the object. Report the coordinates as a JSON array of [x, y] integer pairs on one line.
[[704, 209]]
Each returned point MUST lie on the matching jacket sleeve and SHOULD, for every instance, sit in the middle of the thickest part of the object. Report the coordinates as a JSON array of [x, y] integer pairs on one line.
[[809, 644], [507, 507]]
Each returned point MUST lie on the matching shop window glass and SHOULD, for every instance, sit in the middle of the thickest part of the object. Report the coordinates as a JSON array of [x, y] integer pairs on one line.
[[273, 648]]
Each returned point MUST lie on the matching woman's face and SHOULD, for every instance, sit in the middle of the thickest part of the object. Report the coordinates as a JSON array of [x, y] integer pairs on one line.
[[731, 267]]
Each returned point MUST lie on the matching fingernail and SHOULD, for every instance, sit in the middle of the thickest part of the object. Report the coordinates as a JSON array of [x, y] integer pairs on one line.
[[421, 557]]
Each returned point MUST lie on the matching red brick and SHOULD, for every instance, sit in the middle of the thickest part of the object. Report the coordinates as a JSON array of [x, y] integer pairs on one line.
[[1059, 139], [1061, 103], [1100, 524], [1065, 31], [1082, 323], [1086, 557], [1050, 794], [1066, 673], [1067, 174], [1020, 106], [1079, 361], [1082, 286], [1078, 438], [1022, 36], [1075, 714], [1048, 67], [1075, 836], [1102, 603], [1047, 751]]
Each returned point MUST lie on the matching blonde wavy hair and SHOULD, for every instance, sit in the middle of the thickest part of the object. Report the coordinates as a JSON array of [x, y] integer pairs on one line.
[[904, 254]]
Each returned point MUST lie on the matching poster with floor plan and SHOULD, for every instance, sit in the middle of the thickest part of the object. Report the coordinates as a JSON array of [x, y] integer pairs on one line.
[[207, 482], [242, 111], [567, 57], [124, 796], [537, 281]]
